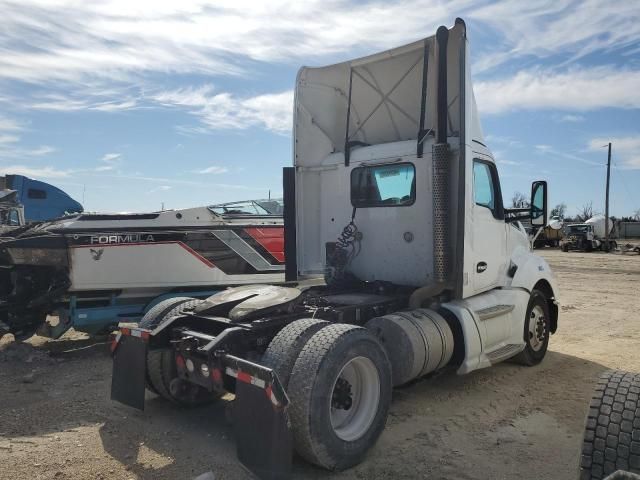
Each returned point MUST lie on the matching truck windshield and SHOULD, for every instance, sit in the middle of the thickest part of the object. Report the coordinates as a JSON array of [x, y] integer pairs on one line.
[[383, 185], [578, 228]]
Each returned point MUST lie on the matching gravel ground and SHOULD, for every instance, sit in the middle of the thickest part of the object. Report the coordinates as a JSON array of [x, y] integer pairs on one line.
[[57, 422]]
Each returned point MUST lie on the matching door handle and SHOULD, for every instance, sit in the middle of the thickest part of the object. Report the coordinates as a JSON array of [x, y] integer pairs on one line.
[[481, 267]]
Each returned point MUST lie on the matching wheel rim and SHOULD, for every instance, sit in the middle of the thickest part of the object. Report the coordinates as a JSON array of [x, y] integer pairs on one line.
[[537, 328], [354, 399]]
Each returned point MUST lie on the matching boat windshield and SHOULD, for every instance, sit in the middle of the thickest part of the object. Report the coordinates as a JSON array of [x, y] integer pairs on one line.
[[249, 207]]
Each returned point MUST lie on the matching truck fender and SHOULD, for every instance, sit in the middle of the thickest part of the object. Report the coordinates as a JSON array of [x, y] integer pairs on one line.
[[532, 272]]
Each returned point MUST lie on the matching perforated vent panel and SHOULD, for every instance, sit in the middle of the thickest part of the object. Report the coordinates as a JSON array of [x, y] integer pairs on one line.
[[441, 259]]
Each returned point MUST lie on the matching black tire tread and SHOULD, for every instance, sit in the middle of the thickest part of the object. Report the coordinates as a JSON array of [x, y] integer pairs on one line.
[[156, 314], [310, 361], [612, 432], [283, 350], [528, 357], [150, 321]]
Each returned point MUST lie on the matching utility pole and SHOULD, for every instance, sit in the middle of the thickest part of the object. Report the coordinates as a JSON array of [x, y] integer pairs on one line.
[[606, 203]]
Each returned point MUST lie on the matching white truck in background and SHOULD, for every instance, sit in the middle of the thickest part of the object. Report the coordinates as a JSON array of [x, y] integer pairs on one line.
[[394, 199], [590, 235]]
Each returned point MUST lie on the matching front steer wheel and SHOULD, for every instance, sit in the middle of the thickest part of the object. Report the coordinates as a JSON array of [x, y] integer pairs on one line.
[[536, 330], [340, 391]]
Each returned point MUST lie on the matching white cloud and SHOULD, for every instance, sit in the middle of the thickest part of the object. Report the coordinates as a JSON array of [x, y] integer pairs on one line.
[[111, 157], [625, 151], [13, 150], [578, 89], [572, 118], [9, 125], [545, 28], [223, 110], [79, 101], [106, 55], [213, 169], [115, 39], [10, 141], [119, 39], [111, 161], [36, 172], [161, 188]]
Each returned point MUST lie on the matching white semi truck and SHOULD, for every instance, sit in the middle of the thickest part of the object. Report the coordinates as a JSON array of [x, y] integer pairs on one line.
[[394, 201]]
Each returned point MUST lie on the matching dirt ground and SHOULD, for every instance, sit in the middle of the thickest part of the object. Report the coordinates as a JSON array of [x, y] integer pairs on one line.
[[57, 422]]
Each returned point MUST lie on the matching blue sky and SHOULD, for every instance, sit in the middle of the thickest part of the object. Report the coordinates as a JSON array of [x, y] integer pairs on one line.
[[135, 103]]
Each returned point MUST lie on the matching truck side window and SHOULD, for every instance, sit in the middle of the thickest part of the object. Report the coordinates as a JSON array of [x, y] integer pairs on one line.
[[383, 185], [13, 218], [36, 193], [483, 190]]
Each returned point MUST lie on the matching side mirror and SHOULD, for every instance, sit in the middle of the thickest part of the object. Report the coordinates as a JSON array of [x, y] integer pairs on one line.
[[539, 204]]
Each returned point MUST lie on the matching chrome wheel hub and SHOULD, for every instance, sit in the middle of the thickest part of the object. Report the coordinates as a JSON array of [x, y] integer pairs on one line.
[[537, 328]]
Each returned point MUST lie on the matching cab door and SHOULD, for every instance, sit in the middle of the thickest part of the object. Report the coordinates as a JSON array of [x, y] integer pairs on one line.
[[489, 228]]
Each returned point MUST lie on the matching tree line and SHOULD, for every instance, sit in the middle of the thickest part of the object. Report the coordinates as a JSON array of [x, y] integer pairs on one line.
[[520, 200]]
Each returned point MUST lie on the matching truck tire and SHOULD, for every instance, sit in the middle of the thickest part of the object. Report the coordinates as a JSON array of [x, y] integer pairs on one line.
[[340, 390], [152, 319], [612, 433], [156, 314], [283, 351], [565, 248], [588, 246], [536, 330], [161, 365]]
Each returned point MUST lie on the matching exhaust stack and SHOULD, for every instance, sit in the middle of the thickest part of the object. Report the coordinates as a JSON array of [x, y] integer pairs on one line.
[[440, 159]]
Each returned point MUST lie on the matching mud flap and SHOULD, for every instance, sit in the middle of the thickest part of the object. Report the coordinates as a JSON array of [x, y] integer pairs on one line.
[[129, 371], [263, 434], [261, 419]]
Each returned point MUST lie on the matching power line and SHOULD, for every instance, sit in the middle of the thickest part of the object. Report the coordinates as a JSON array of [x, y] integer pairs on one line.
[[628, 192]]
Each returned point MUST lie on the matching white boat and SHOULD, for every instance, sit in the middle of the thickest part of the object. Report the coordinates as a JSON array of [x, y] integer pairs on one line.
[[103, 261]]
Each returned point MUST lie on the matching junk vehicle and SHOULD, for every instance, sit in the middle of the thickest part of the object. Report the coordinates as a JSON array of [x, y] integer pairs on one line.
[[11, 211], [394, 200], [94, 270], [588, 236], [41, 201], [550, 235]]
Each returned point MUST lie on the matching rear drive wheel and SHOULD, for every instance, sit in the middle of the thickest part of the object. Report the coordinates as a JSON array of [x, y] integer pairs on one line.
[[612, 433], [162, 373], [536, 330], [283, 351], [152, 319], [565, 248], [340, 391]]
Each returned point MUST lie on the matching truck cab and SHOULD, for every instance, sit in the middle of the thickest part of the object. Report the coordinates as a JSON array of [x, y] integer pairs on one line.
[[579, 237]]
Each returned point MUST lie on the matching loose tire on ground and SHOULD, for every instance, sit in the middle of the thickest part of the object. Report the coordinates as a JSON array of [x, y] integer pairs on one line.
[[612, 433], [283, 351], [161, 366], [536, 335], [340, 390]]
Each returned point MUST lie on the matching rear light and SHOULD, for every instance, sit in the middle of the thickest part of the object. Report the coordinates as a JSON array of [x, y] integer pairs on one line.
[[190, 366], [180, 361]]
